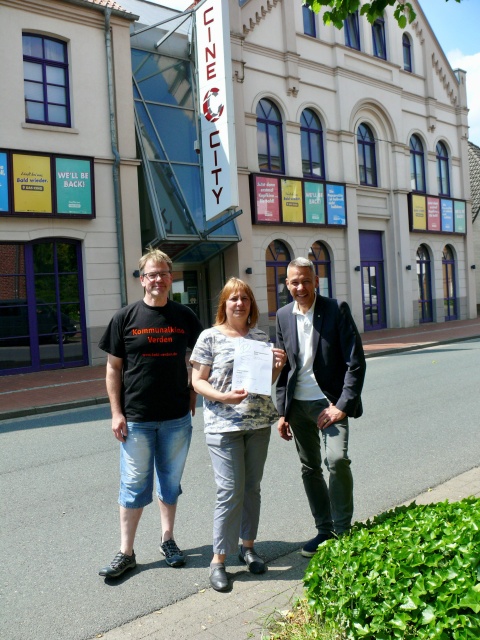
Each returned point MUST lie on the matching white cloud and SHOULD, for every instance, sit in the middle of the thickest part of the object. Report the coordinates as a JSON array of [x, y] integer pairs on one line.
[[470, 64]]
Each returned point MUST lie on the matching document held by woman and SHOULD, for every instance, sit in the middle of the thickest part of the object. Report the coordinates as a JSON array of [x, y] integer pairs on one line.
[[252, 366]]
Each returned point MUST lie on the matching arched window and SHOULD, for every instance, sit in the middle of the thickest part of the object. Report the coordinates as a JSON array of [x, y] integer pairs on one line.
[[407, 53], [309, 28], [443, 178], [277, 258], [449, 290], [269, 137], [312, 144], [352, 33], [366, 156], [319, 255], [42, 311], [424, 285], [417, 165], [378, 36]]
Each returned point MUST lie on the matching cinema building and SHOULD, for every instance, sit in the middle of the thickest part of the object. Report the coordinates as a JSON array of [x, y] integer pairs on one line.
[[349, 147]]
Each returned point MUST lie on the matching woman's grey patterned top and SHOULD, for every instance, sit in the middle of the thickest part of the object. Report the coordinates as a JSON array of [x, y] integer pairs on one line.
[[255, 412]]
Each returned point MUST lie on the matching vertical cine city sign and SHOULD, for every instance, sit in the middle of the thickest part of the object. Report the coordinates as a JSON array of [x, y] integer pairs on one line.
[[215, 93]]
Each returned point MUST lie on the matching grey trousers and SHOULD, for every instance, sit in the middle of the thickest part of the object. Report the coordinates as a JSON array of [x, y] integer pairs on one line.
[[332, 506], [238, 459]]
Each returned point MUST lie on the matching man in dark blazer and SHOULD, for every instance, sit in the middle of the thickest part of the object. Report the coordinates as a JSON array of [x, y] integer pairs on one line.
[[318, 390]]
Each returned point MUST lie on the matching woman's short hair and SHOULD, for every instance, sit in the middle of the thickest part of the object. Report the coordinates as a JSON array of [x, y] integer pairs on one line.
[[232, 286], [155, 255]]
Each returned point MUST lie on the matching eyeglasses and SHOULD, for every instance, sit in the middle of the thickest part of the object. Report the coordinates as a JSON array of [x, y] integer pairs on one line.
[[153, 275]]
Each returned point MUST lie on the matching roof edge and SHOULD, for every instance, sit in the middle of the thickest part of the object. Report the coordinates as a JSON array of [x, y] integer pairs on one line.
[[107, 4]]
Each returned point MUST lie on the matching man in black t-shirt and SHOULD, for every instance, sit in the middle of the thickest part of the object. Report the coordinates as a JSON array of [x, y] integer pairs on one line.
[[151, 399]]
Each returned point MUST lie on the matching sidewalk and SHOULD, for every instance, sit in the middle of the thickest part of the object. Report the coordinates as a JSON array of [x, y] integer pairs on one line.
[[45, 391], [243, 613]]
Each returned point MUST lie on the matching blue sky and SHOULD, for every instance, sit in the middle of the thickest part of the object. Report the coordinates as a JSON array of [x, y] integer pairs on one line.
[[456, 25], [457, 28]]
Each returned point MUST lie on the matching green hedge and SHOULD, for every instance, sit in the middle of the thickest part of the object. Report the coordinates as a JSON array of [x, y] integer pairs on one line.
[[413, 572]]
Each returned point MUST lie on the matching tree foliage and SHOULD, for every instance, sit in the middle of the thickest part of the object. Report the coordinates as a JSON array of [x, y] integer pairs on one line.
[[338, 10]]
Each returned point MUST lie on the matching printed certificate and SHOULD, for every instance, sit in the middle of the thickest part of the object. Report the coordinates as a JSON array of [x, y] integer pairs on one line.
[[252, 366]]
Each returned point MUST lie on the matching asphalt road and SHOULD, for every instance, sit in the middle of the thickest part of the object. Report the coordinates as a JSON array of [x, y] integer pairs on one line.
[[59, 478]]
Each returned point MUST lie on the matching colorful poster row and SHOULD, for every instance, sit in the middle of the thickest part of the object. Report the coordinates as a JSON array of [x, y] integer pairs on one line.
[[288, 200], [430, 213], [44, 185]]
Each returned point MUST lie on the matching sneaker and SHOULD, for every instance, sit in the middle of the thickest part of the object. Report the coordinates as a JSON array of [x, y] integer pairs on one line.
[[119, 565], [254, 562], [173, 556], [310, 547]]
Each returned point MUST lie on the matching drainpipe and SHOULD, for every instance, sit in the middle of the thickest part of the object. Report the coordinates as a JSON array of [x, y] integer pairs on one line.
[[116, 163]]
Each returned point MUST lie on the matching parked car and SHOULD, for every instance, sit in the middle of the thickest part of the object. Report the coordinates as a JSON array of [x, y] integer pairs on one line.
[[14, 321]]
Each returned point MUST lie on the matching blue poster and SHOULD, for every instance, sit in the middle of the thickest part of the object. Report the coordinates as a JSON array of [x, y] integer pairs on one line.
[[447, 215], [336, 204], [3, 182]]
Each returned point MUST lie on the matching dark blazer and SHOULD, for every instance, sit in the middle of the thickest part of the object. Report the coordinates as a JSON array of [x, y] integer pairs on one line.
[[339, 362]]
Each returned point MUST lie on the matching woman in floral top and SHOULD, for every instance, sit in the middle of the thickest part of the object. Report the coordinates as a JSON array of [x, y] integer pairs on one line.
[[237, 428]]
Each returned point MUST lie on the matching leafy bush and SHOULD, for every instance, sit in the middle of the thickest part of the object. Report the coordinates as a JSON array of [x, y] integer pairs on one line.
[[413, 572]]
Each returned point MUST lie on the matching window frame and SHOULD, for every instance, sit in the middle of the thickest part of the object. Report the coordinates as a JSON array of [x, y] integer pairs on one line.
[[315, 255], [270, 126], [366, 147], [443, 169], [352, 31], [309, 22], [378, 38], [276, 273], [449, 284], [46, 64], [417, 156], [424, 281], [47, 345], [407, 53], [309, 132]]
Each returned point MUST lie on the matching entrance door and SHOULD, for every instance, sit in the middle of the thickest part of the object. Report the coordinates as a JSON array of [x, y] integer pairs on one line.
[[190, 287], [373, 282]]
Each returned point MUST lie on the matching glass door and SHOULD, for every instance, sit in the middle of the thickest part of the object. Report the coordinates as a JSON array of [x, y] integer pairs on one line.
[[373, 296]]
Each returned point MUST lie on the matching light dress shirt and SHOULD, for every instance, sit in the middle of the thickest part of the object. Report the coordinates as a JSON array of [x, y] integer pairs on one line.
[[306, 387]]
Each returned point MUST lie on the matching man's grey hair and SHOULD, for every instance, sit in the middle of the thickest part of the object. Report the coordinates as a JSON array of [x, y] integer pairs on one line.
[[155, 255], [302, 263]]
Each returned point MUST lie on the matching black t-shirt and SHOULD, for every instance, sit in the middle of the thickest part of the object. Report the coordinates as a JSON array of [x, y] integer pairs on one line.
[[152, 341]]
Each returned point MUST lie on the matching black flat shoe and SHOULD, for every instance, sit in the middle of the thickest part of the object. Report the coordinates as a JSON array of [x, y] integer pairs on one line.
[[219, 579], [254, 562]]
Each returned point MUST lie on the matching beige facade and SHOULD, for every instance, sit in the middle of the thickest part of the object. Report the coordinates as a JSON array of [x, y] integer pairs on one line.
[[274, 59], [106, 267]]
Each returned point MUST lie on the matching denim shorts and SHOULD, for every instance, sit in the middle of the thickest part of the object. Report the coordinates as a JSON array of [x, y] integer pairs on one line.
[[160, 446]]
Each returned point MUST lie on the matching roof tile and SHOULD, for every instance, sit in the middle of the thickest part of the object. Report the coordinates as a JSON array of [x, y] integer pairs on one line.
[[474, 167], [109, 4]]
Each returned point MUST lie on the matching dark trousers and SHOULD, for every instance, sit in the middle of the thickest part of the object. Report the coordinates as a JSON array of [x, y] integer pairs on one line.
[[332, 506]]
